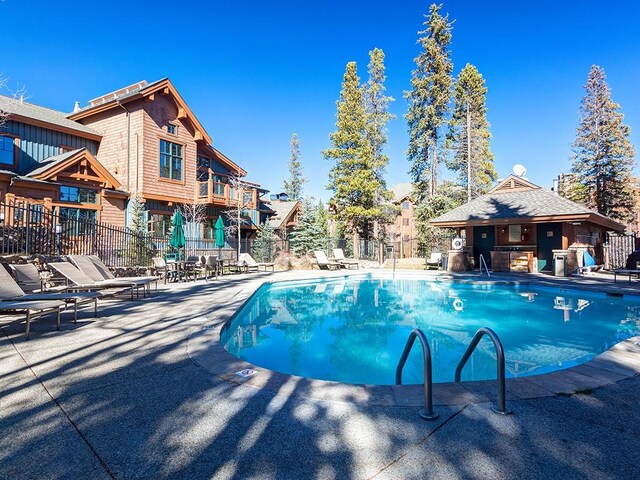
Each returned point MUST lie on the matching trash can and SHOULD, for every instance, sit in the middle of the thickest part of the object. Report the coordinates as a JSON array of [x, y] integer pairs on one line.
[[560, 265]]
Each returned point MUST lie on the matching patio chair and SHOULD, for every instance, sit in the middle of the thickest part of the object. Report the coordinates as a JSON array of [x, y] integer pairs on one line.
[[162, 268], [107, 275], [82, 281], [434, 261], [209, 263], [87, 267], [10, 290], [323, 262], [339, 257], [250, 264]]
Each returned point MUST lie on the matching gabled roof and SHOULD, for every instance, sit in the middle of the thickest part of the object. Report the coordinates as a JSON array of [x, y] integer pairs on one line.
[[283, 211], [43, 117], [57, 164], [138, 91], [517, 199], [401, 191]]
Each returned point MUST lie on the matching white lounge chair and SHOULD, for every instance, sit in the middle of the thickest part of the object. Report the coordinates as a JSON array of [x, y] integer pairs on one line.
[[249, 263], [323, 262], [338, 255]]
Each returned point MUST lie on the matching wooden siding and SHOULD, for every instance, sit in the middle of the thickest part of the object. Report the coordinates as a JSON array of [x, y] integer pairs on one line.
[[112, 153], [113, 211], [37, 144], [157, 114]]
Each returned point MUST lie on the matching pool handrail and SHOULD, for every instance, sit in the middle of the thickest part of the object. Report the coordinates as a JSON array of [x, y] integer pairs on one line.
[[427, 413], [501, 407], [484, 262]]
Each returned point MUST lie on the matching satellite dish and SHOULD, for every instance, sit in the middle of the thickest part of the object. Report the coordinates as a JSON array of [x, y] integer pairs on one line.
[[519, 170]]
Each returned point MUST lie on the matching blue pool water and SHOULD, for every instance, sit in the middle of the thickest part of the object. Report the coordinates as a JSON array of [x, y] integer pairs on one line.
[[353, 330]]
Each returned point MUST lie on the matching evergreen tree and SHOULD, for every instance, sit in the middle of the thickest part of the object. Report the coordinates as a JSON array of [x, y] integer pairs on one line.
[[311, 231], [469, 134], [294, 185], [353, 178], [428, 101], [265, 247], [603, 154], [140, 250], [377, 110]]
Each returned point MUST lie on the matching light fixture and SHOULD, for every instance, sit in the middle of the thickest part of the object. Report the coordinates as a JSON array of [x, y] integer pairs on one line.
[[58, 229]]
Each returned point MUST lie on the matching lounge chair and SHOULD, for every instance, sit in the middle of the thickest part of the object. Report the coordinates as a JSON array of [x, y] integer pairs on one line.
[[89, 269], [33, 310], [249, 263], [10, 290], [83, 282], [324, 263], [434, 261], [107, 275], [338, 255], [589, 264]]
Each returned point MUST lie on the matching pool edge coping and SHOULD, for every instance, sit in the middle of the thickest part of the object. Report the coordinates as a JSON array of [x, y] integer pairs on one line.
[[620, 362]]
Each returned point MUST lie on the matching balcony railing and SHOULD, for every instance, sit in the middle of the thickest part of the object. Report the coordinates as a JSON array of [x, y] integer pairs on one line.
[[218, 193]]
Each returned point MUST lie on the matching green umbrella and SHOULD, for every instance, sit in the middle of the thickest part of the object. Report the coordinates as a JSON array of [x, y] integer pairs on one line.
[[219, 233], [177, 234]]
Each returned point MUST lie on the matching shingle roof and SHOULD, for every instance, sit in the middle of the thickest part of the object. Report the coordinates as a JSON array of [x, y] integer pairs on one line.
[[122, 93], [51, 161], [517, 204], [42, 114], [282, 209]]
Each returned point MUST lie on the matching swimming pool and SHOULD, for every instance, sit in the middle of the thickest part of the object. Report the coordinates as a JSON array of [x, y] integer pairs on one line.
[[353, 329]]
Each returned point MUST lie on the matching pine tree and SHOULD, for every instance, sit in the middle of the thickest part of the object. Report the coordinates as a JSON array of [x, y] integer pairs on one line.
[[294, 185], [265, 247], [377, 110], [469, 134], [140, 249], [429, 101], [353, 177], [311, 232], [603, 157]]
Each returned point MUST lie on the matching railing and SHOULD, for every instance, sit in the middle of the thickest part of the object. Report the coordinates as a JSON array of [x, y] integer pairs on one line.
[[426, 413], [484, 262], [501, 407]]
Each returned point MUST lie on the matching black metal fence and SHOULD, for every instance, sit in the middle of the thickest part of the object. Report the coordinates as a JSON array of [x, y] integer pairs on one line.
[[31, 229]]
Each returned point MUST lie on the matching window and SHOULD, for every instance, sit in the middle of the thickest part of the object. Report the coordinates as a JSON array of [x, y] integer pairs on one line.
[[172, 129], [405, 205], [247, 197], [78, 195], [77, 221], [170, 160], [7, 150], [160, 225], [405, 222]]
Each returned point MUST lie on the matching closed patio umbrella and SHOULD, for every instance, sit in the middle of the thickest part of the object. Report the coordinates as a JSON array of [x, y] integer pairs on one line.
[[219, 233], [177, 240]]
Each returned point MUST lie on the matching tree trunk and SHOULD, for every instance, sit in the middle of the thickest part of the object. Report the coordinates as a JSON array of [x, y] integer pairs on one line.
[[468, 152]]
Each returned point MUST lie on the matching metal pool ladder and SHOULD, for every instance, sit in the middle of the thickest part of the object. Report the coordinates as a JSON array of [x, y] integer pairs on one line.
[[501, 405], [426, 413], [484, 262]]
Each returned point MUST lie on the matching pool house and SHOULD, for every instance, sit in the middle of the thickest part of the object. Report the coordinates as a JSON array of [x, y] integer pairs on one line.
[[519, 226]]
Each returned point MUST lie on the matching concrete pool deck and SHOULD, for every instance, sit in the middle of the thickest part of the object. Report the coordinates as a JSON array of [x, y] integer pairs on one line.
[[132, 394]]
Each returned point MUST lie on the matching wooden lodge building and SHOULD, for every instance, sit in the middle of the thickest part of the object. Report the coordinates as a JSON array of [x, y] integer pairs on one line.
[[142, 140], [518, 226]]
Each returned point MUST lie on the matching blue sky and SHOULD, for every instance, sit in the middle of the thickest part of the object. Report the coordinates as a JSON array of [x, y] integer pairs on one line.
[[254, 72]]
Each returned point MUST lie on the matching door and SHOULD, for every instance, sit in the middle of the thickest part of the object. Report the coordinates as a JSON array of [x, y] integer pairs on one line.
[[549, 238], [484, 239]]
